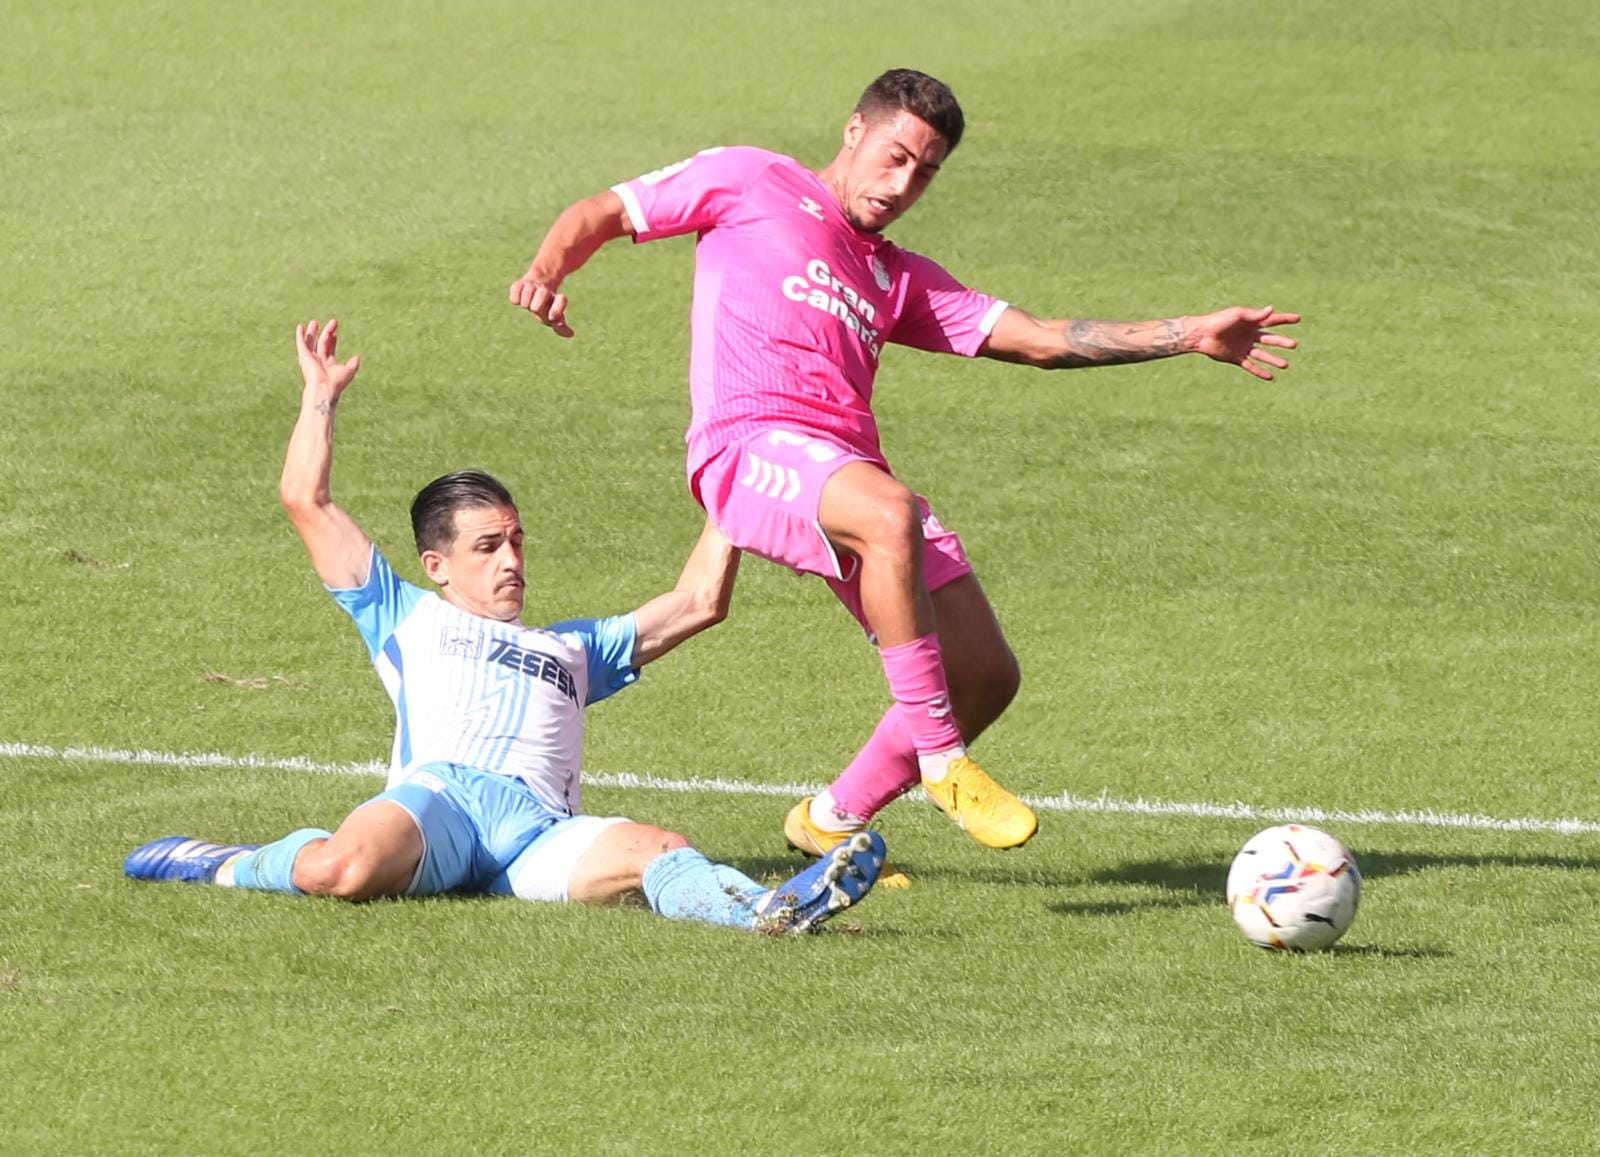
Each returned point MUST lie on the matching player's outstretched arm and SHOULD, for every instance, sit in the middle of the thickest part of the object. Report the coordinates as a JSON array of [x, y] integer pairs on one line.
[[1237, 336], [700, 600], [580, 230], [340, 552]]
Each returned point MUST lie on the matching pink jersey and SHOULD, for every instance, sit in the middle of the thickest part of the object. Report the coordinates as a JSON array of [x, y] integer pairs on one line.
[[792, 304]]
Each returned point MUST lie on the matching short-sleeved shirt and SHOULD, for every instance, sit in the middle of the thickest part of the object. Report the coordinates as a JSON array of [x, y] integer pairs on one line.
[[495, 696], [792, 303]]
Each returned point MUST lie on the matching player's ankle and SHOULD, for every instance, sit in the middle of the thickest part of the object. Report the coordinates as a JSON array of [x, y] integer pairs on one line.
[[826, 815], [936, 766]]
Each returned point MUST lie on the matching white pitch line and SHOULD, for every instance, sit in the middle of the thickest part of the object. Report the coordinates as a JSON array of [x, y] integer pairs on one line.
[[1065, 802]]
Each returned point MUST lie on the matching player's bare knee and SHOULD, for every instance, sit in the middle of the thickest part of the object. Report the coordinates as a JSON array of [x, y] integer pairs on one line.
[[337, 875], [671, 842], [644, 842], [653, 842], [613, 867], [894, 530], [315, 873]]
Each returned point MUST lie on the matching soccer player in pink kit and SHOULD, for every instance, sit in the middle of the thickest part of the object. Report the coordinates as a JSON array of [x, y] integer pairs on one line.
[[796, 294]]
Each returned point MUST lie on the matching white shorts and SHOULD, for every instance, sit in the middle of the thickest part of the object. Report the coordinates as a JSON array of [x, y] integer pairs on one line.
[[543, 869]]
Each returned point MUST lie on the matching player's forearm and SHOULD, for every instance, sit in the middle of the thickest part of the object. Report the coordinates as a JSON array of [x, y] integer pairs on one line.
[[309, 460], [706, 585], [703, 594], [700, 599], [577, 233], [1078, 344], [1071, 343]]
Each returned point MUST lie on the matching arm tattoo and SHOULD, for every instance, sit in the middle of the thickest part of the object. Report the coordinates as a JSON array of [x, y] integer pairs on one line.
[[325, 407], [1113, 343]]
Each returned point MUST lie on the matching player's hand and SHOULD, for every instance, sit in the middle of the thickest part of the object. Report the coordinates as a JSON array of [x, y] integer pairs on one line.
[[318, 363], [1238, 335], [542, 300]]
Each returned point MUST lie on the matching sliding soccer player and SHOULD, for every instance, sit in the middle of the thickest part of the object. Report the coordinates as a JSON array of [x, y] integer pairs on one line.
[[483, 788]]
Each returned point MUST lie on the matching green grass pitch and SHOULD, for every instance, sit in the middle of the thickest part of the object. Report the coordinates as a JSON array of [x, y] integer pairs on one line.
[[1370, 586]]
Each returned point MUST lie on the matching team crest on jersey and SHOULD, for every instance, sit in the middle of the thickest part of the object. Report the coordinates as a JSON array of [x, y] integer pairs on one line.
[[461, 646], [880, 273]]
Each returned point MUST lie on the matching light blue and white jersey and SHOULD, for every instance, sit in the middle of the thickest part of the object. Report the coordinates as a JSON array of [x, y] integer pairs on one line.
[[499, 697]]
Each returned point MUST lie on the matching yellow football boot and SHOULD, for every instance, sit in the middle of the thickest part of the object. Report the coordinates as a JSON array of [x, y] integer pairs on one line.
[[981, 807], [805, 836]]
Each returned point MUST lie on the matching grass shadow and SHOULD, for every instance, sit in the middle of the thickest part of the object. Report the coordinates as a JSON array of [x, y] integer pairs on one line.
[[1185, 884], [1376, 864], [1387, 953], [1017, 875], [1128, 907], [1212, 877]]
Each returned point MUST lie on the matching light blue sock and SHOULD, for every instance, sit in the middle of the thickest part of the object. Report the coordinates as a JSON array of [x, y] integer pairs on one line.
[[270, 868], [684, 885]]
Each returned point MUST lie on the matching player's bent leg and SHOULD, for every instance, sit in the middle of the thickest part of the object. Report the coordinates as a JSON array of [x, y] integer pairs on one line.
[[866, 510], [981, 669], [599, 861], [983, 677], [425, 835], [869, 512], [613, 867], [375, 852]]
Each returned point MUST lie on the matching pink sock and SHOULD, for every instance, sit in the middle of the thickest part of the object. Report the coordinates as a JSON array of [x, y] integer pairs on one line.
[[884, 770], [916, 680]]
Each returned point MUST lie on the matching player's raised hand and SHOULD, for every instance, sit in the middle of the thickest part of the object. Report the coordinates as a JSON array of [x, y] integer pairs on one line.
[[1238, 335], [542, 300], [319, 363]]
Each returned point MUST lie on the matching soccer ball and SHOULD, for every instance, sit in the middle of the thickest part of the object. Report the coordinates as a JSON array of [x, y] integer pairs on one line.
[[1293, 888]]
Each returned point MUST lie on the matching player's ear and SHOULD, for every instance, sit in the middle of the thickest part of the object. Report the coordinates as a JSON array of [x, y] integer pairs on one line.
[[854, 129], [436, 567]]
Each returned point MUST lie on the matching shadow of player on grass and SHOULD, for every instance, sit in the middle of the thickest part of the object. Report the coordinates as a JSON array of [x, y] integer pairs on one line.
[[1185, 884]]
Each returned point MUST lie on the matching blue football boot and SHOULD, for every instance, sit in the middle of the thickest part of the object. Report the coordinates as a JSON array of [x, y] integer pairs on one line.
[[181, 858], [829, 886]]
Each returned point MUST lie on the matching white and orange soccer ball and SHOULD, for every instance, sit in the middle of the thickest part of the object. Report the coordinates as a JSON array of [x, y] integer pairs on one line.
[[1294, 888]]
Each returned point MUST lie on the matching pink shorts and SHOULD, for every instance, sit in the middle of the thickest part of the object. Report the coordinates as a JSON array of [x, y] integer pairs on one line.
[[764, 493]]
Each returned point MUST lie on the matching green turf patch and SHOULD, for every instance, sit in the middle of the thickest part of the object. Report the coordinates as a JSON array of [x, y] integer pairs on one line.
[[1367, 586]]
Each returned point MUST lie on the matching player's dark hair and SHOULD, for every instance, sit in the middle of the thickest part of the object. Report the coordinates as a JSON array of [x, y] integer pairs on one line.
[[433, 510], [919, 94]]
